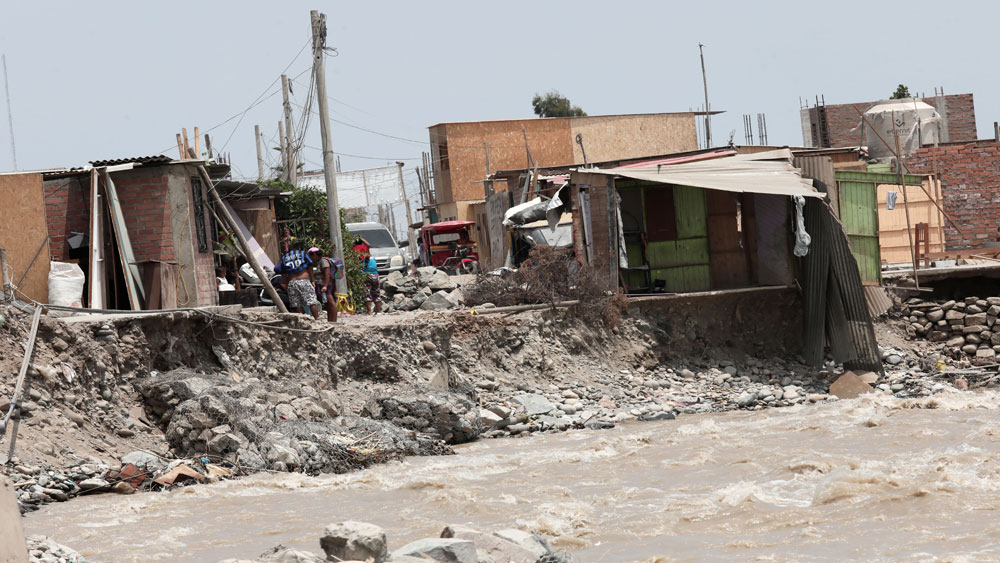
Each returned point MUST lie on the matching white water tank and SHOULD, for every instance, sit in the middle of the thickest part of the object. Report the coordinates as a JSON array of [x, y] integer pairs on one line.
[[918, 124]]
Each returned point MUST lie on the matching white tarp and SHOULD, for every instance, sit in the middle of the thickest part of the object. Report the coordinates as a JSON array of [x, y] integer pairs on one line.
[[768, 172]]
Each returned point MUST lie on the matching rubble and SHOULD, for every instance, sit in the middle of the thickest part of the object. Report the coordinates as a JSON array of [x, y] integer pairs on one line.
[[430, 289]]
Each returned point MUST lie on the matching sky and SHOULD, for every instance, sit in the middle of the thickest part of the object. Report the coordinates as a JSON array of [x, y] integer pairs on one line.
[[100, 80]]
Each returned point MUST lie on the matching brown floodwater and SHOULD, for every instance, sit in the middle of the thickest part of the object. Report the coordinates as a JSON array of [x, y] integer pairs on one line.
[[872, 479]]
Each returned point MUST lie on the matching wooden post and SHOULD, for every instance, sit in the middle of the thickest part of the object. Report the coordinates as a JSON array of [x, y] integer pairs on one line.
[[184, 135], [3, 276], [180, 148], [260, 157], [906, 205], [289, 133], [318, 26], [197, 143], [231, 224], [409, 218]]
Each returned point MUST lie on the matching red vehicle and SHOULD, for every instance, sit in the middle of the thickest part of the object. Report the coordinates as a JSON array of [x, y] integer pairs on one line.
[[449, 246]]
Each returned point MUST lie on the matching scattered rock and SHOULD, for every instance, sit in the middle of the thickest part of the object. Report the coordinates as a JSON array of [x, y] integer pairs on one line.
[[849, 386], [354, 541]]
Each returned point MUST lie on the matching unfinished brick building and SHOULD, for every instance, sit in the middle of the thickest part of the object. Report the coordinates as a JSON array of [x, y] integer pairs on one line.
[[839, 125], [970, 185], [164, 205]]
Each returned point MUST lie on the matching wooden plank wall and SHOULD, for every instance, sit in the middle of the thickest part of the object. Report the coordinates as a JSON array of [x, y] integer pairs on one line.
[[23, 230], [893, 240]]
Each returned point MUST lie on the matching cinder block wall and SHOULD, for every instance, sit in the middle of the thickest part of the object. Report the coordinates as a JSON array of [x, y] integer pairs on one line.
[[970, 185]]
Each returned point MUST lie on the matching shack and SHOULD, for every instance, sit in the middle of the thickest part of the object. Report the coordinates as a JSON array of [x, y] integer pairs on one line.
[[144, 230], [722, 222]]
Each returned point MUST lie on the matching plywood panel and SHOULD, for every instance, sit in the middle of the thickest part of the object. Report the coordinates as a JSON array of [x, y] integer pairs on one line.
[[728, 256], [23, 231], [771, 212], [893, 240], [616, 137]]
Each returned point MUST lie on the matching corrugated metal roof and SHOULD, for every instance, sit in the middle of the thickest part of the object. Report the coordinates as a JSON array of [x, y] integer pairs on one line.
[[156, 159], [764, 173]]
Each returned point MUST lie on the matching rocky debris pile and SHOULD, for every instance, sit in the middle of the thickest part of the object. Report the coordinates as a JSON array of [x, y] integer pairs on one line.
[[429, 290], [660, 393], [363, 542], [446, 416], [969, 325], [138, 470], [286, 426], [41, 549]]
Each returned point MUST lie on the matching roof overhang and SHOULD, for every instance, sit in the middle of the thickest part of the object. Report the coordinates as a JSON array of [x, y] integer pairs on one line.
[[763, 173]]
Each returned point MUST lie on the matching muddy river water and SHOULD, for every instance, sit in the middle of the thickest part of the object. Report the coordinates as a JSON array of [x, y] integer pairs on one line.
[[876, 478]]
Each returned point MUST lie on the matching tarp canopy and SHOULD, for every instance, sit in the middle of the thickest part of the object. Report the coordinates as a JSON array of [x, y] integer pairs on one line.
[[769, 172]]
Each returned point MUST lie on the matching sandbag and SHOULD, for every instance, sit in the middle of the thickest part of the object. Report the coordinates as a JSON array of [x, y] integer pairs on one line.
[[66, 284]]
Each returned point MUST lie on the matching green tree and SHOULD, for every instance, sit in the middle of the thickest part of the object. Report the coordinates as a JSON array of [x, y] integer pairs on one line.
[[307, 206], [901, 92], [553, 104]]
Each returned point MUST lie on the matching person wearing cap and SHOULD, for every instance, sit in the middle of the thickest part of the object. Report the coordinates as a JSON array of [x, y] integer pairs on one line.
[[327, 269]]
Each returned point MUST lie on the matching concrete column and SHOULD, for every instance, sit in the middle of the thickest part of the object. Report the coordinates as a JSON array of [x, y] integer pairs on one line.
[[12, 546]]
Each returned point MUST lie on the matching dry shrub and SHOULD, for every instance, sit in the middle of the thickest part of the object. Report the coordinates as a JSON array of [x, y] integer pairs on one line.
[[550, 275]]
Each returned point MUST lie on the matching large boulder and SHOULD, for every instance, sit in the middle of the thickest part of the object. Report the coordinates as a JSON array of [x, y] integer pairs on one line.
[[446, 550], [282, 554], [354, 541], [533, 404], [849, 386], [496, 548], [440, 281], [437, 302], [534, 543]]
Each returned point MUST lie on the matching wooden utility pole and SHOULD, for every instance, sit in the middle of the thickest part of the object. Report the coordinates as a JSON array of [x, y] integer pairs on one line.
[[332, 203], [244, 245], [260, 157], [704, 82], [290, 134], [284, 150], [409, 218]]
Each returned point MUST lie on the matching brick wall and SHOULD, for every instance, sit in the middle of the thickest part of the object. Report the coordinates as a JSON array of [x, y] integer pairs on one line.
[[970, 185], [142, 194], [844, 122], [67, 210]]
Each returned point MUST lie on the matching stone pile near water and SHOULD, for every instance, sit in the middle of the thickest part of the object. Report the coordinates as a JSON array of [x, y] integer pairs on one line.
[[969, 325], [429, 289], [363, 542], [41, 549]]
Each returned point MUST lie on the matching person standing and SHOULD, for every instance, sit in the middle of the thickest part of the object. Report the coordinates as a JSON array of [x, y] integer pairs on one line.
[[373, 297], [327, 270], [296, 267]]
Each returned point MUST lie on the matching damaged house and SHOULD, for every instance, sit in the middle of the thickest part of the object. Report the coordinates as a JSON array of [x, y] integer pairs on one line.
[[743, 239], [145, 230]]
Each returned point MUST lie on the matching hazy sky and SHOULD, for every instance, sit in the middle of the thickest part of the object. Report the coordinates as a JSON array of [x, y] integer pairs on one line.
[[96, 80]]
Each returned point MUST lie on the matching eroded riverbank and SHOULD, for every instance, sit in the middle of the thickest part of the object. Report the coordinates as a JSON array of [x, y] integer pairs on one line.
[[872, 478]]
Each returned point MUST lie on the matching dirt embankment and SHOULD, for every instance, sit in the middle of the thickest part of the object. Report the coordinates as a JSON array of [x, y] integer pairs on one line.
[[245, 398]]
